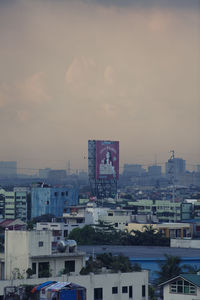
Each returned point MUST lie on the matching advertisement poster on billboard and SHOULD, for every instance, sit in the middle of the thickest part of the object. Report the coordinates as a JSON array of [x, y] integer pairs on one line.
[[107, 159]]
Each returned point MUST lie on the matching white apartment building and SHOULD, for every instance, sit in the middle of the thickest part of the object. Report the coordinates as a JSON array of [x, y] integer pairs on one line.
[[90, 214], [33, 250], [104, 286], [119, 218]]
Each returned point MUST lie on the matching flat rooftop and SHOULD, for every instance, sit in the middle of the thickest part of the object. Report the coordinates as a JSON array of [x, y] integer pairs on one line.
[[141, 251]]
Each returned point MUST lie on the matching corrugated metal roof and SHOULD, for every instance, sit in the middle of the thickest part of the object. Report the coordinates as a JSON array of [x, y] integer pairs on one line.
[[193, 278]]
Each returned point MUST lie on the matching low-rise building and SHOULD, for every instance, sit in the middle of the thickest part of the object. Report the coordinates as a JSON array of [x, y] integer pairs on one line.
[[52, 200], [103, 286], [184, 286], [176, 230], [164, 210], [119, 218], [33, 250]]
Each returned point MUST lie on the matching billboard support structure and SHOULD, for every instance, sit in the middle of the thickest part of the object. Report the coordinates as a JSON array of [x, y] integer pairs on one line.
[[103, 168]]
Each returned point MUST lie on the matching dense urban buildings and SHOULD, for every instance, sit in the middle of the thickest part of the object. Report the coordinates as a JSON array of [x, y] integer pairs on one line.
[[43, 212]]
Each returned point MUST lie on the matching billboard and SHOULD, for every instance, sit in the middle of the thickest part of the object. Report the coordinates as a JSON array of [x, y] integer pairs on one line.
[[107, 159]]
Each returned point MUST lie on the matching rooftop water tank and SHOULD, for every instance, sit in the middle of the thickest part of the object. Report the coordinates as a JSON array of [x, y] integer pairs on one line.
[[63, 245]]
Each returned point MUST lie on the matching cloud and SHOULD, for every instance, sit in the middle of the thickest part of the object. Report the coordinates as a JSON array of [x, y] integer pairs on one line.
[[20, 99], [110, 110], [81, 72], [109, 75], [33, 89], [99, 68], [23, 116]]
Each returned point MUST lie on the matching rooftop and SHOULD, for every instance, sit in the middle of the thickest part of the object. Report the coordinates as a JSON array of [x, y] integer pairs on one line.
[[141, 251]]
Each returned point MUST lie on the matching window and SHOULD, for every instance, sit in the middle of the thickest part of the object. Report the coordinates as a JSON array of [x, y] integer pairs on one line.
[[79, 221], [143, 291], [116, 224], [130, 291], [66, 193], [65, 233], [62, 193], [34, 268], [198, 228], [70, 266], [114, 290], [98, 294], [182, 287], [40, 244], [43, 269], [124, 290], [56, 232]]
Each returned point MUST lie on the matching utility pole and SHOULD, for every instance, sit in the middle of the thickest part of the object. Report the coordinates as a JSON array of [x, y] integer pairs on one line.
[[171, 171]]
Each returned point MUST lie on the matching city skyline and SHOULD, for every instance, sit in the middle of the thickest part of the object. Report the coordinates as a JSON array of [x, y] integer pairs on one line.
[[112, 70]]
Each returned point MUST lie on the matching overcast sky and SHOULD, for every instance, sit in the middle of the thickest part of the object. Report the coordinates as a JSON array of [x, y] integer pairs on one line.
[[99, 69]]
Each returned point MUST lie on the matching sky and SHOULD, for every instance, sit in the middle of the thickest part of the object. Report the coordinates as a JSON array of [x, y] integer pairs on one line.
[[74, 70]]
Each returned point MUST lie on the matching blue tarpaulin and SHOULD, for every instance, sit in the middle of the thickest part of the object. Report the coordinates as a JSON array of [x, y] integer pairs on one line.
[[39, 287]]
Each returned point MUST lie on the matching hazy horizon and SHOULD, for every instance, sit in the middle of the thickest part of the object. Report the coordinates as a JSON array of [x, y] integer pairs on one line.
[[99, 69]]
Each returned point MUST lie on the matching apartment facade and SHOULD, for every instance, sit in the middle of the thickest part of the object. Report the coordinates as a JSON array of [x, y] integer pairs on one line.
[[52, 200]]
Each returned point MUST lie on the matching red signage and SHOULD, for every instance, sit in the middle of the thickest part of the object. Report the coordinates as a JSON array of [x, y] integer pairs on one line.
[[107, 159]]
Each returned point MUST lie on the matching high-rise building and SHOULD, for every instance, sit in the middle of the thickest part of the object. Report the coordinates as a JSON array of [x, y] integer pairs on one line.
[[175, 165], [21, 197], [133, 170], [8, 169], [44, 173], [155, 171]]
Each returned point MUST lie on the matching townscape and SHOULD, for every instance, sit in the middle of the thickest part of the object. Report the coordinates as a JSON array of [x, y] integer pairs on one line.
[[108, 233], [100, 150]]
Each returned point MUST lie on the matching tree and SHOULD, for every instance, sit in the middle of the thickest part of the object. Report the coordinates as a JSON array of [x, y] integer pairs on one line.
[[152, 293], [190, 269], [83, 236], [169, 268], [29, 272], [136, 267], [107, 260]]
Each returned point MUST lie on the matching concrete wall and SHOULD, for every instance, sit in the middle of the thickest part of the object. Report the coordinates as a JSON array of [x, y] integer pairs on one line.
[[37, 236], [16, 252], [176, 243], [105, 281], [170, 296]]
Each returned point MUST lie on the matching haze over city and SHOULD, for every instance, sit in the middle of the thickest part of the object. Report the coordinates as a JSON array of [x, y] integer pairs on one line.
[[78, 70]]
